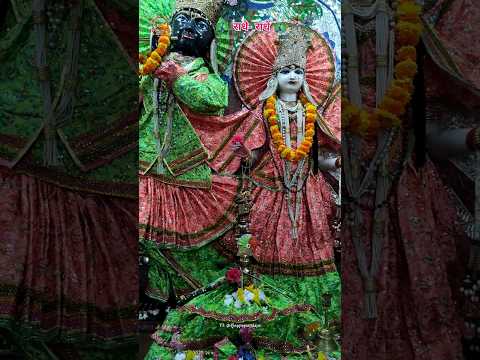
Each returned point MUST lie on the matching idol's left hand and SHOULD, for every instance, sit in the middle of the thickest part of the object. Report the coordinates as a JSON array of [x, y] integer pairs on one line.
[[170, 71]]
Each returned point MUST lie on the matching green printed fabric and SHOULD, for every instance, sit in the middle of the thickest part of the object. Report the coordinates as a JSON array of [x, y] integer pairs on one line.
[[96, 145], [186, 157], [207, 319]]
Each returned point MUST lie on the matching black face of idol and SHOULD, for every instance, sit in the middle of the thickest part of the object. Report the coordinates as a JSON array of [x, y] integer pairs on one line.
[[192, 34]]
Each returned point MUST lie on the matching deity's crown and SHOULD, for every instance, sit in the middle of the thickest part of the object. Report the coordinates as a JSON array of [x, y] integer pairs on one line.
[[209, 8], [293, 45]]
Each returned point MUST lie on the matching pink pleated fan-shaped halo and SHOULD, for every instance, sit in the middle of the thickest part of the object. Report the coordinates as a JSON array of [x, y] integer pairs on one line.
[[255, 58]]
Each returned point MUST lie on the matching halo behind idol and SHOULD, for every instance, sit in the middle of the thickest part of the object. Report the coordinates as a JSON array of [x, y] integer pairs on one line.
[[256, 58]]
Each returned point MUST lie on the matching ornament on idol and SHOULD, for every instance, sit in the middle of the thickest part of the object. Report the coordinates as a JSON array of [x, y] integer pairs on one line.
[[289, 154], [398, 95], [152, 61]]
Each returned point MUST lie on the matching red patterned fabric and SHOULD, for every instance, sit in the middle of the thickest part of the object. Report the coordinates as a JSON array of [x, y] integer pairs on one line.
[[458, 33], [417, 317], [269, 218], [68, 260], [217, 135], [185, 217]]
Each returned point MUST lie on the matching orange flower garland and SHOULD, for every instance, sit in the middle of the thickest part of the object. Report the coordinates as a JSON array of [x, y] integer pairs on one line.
[[154, 59], [398, 95], [301, 151]]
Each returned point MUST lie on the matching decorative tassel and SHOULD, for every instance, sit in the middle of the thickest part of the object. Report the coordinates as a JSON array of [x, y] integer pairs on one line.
[[370, 298], [51, 156]]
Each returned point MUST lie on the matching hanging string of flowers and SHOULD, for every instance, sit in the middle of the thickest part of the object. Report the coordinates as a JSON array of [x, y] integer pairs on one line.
[[152, 61], [368, 123], [293, 155]]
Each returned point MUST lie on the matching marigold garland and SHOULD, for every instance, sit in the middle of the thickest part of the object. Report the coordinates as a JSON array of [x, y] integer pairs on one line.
[[153, 60], [398, 95], [293, 155]]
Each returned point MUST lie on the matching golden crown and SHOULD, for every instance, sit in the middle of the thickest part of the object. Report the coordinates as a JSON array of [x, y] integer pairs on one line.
[[293, 45], [210, 8]]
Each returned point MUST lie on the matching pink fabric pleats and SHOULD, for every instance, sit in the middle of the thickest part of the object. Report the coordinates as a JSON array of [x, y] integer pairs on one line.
[[68, 260], [184, 217]]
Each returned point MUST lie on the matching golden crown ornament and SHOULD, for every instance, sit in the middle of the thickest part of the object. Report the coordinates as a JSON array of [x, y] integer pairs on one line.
[[292, 48], [210, 9]]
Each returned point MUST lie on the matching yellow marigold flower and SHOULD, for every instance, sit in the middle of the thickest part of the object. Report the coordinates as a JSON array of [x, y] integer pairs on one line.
[[408, 34], [268, 112], [310, 126], [161, 49], [277, 136], [164, 40], [309, 133], [311, 117], [164, 27], [284, 153], [272, 121], [281, 147], [311, 108], [273, 118], [409, 11], [406, 52], [278, 143], [393, 106], [151, 62], [307, 142], [301, 153], [304, 147], [404, 84], [406, 70], [292, 154], [270, 105], [190, 355], [274, 129], [156, 57], [398, 93]]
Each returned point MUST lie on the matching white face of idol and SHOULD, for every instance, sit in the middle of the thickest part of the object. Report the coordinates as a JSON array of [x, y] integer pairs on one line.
[[290, 80]]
